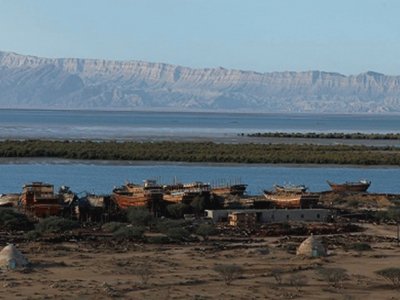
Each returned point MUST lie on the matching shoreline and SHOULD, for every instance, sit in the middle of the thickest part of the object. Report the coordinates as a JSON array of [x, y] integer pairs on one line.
[[63, 161], [229, 139], [200, 111]]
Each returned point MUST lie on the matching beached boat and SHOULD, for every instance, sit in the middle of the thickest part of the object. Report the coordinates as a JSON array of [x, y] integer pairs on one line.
[[93, 207], [40, 199], [148, 195], [9, 200], [358, 186], [234, 189], [290, 188], [185, 193], [292, 200]]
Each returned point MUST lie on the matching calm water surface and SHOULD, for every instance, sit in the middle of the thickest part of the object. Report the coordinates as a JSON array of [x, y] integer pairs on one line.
[[133, 125], [102, 177]]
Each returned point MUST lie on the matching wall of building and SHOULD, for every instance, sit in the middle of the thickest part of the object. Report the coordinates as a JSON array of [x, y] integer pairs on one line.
[[275, 215]]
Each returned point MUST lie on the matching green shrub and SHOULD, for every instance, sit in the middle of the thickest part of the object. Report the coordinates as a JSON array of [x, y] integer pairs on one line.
[[178, 234], [205, 230], [359, 247], [205, 152], [199, 204], [178, 210], [139, 216], [10, 219], [392, 214], [112, 226], [158, 239], [128, 233], [354, 203], [33, 235], [56, 224], [163, 225]]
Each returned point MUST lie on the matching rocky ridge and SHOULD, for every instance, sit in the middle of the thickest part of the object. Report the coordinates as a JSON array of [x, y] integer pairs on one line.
[[35, 82]]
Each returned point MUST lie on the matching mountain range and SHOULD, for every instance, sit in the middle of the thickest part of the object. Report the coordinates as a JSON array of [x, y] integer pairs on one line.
[[73, 83]]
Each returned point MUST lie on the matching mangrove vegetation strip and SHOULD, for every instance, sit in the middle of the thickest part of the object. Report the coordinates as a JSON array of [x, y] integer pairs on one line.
[[203, 152], [330, 135]]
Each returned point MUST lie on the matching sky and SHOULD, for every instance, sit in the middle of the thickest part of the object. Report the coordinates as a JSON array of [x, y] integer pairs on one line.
[[344, 36]]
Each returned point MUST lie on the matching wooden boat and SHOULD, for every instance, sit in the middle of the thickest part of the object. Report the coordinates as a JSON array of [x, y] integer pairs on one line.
[[9, 200], [97, 201], [290, 188], [40, 199], [93, 207], [358, 186], [133, 195], [292, 200], [185, 193], [234, 189]]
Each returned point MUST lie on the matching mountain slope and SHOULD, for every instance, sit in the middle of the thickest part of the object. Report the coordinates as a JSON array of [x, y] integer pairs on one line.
[[28, 81]]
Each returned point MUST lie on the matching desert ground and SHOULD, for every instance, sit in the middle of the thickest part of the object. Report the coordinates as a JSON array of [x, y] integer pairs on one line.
[[101, 268]]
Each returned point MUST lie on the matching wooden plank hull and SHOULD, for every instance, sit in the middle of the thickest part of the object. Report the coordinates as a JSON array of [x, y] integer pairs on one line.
[[39, 198], [185, 196], [172, 198], [125, 200], [236, 190], [361, 186], [186, 193], [287, 200], [46, 210]]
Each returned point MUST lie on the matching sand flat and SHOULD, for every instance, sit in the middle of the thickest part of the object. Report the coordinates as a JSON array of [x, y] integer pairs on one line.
[[83, 270]]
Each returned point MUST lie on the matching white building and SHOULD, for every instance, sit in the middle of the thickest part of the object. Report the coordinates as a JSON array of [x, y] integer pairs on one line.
[[275, 215]]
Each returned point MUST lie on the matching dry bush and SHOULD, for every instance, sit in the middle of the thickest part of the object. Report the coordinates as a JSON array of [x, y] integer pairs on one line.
[[391, 274], [228, 272], [277, 274], [334, 276], [144, 271], [298, 280]]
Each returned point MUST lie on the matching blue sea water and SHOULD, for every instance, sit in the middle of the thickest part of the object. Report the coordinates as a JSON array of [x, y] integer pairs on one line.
[[131, 125], [101, 177]]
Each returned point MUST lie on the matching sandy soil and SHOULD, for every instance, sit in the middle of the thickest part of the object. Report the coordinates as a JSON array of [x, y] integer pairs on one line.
[[105, 270]]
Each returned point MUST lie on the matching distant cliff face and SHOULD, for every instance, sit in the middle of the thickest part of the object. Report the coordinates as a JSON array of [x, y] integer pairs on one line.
[[28, 81]]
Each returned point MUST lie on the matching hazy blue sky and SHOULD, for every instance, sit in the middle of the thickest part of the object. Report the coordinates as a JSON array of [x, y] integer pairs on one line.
[[346, 36]]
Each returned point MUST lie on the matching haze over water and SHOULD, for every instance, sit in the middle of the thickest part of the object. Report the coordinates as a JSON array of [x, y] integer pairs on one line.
[[24, 124]]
